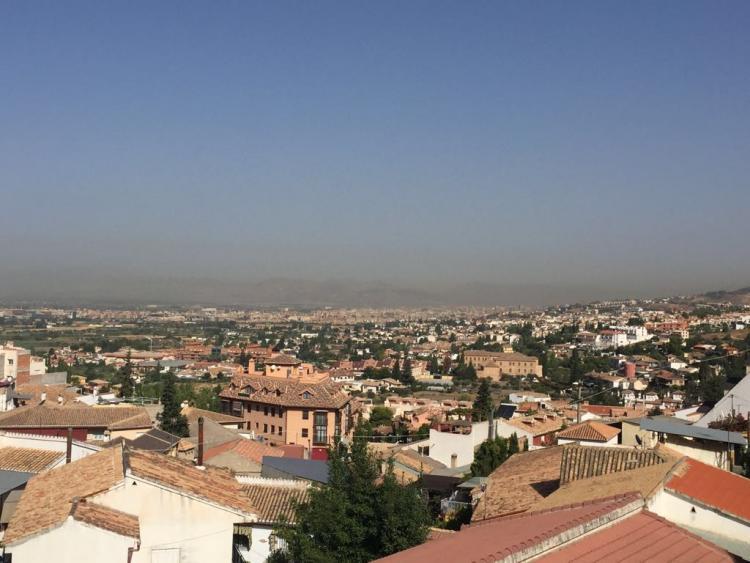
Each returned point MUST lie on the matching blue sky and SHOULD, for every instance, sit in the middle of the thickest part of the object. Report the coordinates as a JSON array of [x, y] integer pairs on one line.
[[581, 144]]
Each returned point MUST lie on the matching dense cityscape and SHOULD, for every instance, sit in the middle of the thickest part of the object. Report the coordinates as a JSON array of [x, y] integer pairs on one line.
[[459, 416]]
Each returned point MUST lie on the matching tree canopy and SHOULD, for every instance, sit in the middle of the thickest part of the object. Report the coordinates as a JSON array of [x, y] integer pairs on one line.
[[171, 418], [358, 516], [482, 402]]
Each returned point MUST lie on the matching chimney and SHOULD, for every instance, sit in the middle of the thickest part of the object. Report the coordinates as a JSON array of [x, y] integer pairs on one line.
[[200, 441], [69, 446], [59, 400], [43, 397]]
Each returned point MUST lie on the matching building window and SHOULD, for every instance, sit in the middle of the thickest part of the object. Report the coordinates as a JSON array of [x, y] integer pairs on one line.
[[265, 411], [237, 408], [320, 430], [305, 414], [305, 433], [265, 429], [273, 429], [280, 430]]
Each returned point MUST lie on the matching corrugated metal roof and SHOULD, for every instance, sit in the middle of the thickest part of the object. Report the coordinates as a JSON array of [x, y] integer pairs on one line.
[[691, 431]]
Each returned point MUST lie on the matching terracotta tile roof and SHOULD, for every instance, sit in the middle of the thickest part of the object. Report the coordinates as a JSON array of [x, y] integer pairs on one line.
[[77, 416], [641, 537], [47, 500], [63, 390], [106, 518], [520, 482], [589, 432], [27, 459], [417, 462], [286, 392], [212, 484], [520, 537], [273, 502], [539, 424], [193, 413], [644, 480], [582, 462], [250, 449], [283, 360], [712, 487]]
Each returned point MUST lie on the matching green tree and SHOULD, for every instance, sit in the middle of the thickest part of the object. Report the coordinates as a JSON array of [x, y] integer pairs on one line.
[[366, 516], [675, 345], [396, 371], [711, 386], [171, 418], [434, 367], [406, 376], [513, 445], [380, 416], [124, 377], [576, 366], [490, 455], [482, 402]]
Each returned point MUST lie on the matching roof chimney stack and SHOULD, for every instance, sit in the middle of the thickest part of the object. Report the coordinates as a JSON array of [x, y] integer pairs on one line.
[[69, 446], [200, 441]]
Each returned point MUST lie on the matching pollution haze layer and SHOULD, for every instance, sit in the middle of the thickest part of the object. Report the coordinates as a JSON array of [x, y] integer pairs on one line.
[[378, 153], [128, 290]]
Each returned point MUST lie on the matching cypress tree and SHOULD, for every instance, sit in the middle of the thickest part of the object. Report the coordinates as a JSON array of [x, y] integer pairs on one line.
[[171, 418]]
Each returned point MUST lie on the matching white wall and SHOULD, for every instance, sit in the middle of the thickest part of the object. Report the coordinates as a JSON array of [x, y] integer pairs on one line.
[[202, 531], [49, 443], [74, 542], [608, 444], [444, 444], [680, 511]]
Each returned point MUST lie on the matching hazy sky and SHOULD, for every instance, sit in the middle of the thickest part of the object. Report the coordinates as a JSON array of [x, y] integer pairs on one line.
[[601, 145]]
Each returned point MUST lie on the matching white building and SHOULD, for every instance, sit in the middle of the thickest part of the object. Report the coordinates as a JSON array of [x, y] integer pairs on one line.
[[128, 505]]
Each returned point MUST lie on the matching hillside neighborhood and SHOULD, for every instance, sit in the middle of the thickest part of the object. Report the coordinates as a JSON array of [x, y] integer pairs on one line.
[[547, 434]]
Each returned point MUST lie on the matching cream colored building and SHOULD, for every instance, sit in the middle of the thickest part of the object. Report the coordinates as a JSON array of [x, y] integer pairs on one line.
[[497, 364]]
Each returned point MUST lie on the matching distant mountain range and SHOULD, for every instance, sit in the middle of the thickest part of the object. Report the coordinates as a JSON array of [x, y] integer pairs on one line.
[[737, 296], [72, 288]]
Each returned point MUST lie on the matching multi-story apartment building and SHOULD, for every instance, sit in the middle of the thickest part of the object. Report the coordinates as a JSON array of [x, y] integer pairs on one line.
[[15, 363], [290, 411], [496, 364]]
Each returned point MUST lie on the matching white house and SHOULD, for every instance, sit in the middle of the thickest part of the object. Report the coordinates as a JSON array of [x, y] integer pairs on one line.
[[130, 506], [737, 400], [589, 433], [708, 502], [274, 500]]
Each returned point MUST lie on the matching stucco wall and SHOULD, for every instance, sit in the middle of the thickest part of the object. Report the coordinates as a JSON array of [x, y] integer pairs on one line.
[[74, 542], [203, 532], [609, 443], [685, 513]]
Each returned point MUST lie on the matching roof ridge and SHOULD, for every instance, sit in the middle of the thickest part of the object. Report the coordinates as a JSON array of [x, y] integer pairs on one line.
[[628, 496]]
